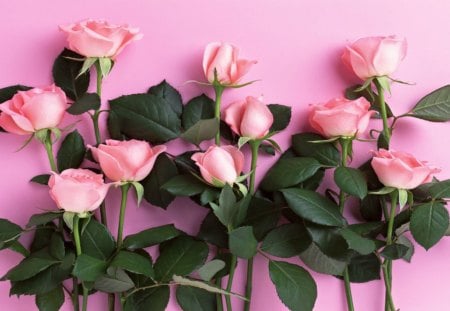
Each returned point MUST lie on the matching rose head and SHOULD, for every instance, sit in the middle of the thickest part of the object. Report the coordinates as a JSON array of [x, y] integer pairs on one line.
[[98, 38], [220, 165], [130, 160], [29, 111], [78, 190], [341, 117], [375, 56], [223, 57], [249, 118], [400, 169]]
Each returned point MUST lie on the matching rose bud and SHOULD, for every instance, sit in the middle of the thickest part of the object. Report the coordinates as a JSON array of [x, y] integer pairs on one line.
[[401, 170], [341, 117], [29, 111], [78, 190], [124, 161], [375, 56], [223, 58], [249, 118], [220, 165]]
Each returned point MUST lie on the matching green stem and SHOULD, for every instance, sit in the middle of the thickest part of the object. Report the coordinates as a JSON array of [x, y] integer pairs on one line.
[[219, 91], [49, 148], [230, 281], [75, 302], [345, 146], [111, 301], [382, 105], [123, 206], [387, 265], [219, 300], [254, 146], [76, 237]]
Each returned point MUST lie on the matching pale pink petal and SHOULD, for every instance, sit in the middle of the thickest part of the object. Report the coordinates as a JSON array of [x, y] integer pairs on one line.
[[111, 167], [232, 115], [8, 124], [45, 110], [389, 55], [238, 157], [257, 119], [146, 168]]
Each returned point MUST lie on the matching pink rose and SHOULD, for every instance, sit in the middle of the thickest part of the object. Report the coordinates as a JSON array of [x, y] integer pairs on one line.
[[341, 117], [29, 111], [130, 160], [78, 190], [375, 56], [223, 57], [220, 165], [400, 169], [249, 118], [98, 38]]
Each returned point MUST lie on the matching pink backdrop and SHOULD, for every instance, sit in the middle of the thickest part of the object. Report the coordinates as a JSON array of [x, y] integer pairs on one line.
[[298, 46]]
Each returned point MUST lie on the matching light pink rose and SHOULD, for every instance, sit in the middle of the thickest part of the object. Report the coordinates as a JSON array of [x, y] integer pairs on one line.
[[400, 169], [223, 57], [341, 117], [98, 38], [130, 160], [78, 190], [249, 118], [375, 56], [29, 111], [220, 165]]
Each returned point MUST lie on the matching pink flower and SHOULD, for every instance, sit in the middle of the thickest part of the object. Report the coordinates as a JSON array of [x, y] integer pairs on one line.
[[98, 38], [341, 117], [400, 169], [223, 57], [249, 118], [29, 111], [78, 190], [130, 160], [375, 56], [220, 165]]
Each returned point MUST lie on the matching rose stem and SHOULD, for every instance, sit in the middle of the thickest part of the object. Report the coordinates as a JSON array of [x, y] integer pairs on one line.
[[387, 265], [76, 237], [219, 91], [254, 145], [382, 105], [123, 205], [49, 148], [345, 143]]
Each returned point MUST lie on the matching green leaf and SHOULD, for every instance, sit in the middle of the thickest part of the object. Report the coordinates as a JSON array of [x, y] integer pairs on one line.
[[329, 240], [105, 64], [88, 101], [50, 301], [65, 72], [163, 170], [198, 108], [315, 259], [262, 216], [88, 268], [153, 299], [71, 153], [243, 242], [394, 251], [213, 231], [195, 299], [7, 93], [8, 230], [351, 181], [226, 210], [42, 219], [150, 237], [434, 107], [29, 267], [295, 286], [429, 223], [133, 262], [116, 281], [289, 172], [209, 269], [96, 241], [202, 130], [364, 268], [286, 241], [281, 117], [139, 191], [371, 208], [434, 190], [313, 207], [184, 185], [170, 94], [180, 256], [145, 117], [325, 153], [203, 285], [362, 245], [42, 237], [56, 247], [405, 241], [41, 179]]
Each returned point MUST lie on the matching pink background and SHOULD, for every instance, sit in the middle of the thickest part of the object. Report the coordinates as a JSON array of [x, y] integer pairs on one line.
[[298, 45]]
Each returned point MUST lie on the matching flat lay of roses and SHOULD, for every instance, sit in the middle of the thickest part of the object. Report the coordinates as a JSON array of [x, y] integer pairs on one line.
[[298, 215]]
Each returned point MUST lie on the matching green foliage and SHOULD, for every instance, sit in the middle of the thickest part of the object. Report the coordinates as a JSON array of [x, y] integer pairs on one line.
[[351, 181], [72, 151], [167, 92], [434, 107], [150, 237], [286, 241], [243, 242], [326, 153], [281, 117]]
